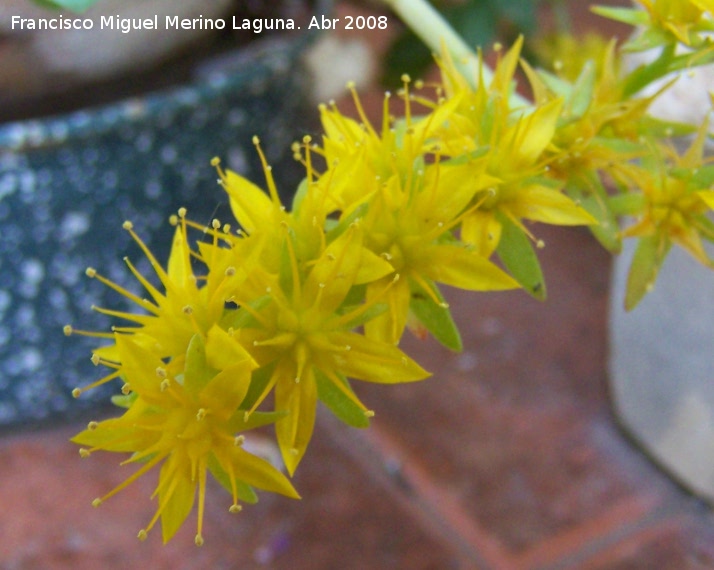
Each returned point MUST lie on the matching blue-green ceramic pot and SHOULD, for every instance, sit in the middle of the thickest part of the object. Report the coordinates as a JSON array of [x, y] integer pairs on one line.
[[67, 183]]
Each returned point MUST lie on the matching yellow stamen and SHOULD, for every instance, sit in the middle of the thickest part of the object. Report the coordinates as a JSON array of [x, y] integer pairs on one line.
[[92, 273], [77, 392], [268, 172], [69, 330]]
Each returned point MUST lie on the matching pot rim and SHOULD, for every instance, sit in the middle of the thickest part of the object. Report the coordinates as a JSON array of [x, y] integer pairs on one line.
[[229, 72]]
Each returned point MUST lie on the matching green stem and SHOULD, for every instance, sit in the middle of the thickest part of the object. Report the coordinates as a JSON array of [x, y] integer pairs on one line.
[[431, 28], [627, 204]]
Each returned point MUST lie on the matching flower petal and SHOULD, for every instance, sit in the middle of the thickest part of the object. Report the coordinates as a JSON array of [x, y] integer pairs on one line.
[[295, 430], [374, 361], [459, 267]]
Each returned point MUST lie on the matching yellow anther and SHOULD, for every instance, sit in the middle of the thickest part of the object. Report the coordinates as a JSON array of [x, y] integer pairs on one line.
[[96, 359], [256, 140], [96, 502], [182, 212], [369, 413], [234, 509], [215, 161], [126, 389], [160, 372], [201, 414], [84, 452], [90, 272], [173, 220], [198, 540], [215, 223], [165, 385], [67, 330], [76, 393], [540, 244], [239, 440], [142, 535], [127, 225], [91, 426], [230, 271], [187, 310]]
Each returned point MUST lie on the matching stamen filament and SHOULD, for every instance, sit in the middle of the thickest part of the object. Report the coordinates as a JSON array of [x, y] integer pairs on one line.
[[92, 273]]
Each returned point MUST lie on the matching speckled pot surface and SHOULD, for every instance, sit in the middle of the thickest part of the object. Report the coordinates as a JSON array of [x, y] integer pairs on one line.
[[68, 183]]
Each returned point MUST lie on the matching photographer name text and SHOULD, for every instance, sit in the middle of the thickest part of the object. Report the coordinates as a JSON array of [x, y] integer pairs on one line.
[[255, 25]]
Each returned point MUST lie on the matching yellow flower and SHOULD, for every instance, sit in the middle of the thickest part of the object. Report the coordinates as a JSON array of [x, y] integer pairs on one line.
[[411, 226], [665, 22], [186, 420], [567, 54], [510, 141], [301, 333], [408, 214], [188, 305], [679, 17], [678, 201], [360, 158]]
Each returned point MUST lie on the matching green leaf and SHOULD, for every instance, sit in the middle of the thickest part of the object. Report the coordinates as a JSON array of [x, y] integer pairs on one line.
[[624, 15], [592, 196], [659, 128], [287, 258], [338, 229], [703, 177], [648, 258], [258, 382], [74, 5], [582, 94], [244, 491], [371, 313], [340, 403], [299, 196], [124, 401], [437, 319], [240, 318], [197, 372], [519, 257]]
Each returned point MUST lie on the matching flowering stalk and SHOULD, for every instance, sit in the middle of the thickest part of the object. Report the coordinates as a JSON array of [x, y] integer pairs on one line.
[[431, 28], [436, 33], [299, 302]]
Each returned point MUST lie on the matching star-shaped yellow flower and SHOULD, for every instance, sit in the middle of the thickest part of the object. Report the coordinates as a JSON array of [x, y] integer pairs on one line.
[[186, 419], [301, 333]]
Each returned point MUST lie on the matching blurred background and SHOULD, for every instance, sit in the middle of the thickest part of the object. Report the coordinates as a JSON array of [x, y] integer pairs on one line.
[[510, 457]]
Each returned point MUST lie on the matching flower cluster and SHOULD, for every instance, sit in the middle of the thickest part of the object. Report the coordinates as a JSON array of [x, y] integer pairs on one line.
[[258, 322]]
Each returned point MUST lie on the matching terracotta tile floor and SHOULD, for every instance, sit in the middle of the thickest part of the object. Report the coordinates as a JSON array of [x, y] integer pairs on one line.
[[508, 458]]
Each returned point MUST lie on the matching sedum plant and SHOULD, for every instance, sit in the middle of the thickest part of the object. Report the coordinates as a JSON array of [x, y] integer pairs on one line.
[[286, 306]]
